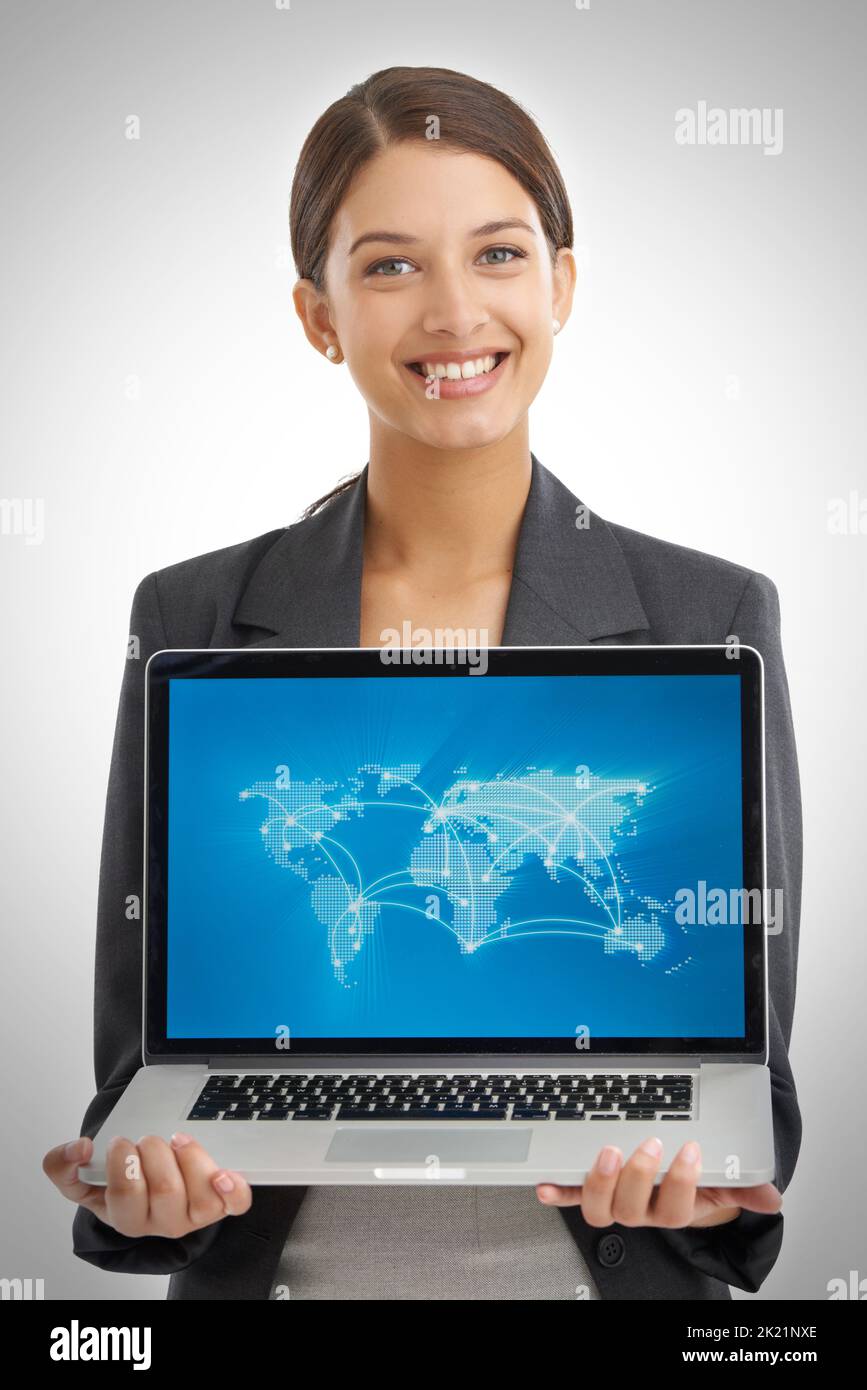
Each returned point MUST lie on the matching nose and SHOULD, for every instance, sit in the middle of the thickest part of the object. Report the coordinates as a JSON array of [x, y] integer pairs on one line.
[[455, 308]]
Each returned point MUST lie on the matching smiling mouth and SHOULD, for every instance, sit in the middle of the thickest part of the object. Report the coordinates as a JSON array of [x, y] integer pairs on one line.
[[458, 371]]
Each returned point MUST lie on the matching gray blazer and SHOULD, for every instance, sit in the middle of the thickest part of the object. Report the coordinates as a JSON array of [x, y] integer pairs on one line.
[[300, 586]]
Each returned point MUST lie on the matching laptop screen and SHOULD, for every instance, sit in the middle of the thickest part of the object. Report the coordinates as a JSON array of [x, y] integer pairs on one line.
[[510, 857]]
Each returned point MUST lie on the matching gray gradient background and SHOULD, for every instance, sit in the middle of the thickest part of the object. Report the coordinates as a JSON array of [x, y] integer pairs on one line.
[[167, 260]]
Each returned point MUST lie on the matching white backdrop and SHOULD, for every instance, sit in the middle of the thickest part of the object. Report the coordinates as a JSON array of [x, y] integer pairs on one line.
[[162, 401]]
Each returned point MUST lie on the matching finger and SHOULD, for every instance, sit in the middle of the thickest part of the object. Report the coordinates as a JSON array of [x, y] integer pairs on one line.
[[166, 1189], [126, 1195], [61, 1165], [632, 1203], [212, 1192], [554, 1196], [235, 1191], [600, 1186], [763, 1198], [675, 1201]]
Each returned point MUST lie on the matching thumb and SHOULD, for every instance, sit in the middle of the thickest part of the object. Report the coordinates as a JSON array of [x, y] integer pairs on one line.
[[763, 1198], [61, 1165]]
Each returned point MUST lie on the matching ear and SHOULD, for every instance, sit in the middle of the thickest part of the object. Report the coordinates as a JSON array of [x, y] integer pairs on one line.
[[565, 278], [313, 310]]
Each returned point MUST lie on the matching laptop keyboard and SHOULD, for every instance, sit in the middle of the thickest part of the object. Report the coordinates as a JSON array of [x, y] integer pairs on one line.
[[335, 1096]]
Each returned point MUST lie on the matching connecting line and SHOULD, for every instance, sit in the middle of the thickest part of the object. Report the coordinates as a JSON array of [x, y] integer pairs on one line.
[[310, 834], [412, 883], [463, 852], [610, 870], [506, 933], [529, 831], [289, 819], [593, 889], [578, 825], [495, 934], [555, 802]]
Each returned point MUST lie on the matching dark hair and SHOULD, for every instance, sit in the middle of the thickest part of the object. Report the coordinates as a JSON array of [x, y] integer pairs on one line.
[[395, 105]]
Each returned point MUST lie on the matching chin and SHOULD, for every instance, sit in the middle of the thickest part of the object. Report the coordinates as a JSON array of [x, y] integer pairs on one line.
[[463, 435]]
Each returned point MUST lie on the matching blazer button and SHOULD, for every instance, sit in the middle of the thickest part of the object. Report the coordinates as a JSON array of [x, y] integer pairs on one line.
[[611, 1250]]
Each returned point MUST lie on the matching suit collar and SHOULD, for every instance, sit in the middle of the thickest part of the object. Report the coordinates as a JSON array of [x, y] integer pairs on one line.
[[571, 584]]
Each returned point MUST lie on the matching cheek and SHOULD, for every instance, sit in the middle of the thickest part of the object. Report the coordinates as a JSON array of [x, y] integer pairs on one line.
[[372, 348], [536, 355], [377, 381]]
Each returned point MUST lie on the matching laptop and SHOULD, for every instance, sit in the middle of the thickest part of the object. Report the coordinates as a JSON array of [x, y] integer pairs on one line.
[[416, 916]]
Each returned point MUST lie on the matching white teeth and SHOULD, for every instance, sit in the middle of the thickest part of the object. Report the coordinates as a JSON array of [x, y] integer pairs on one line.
[[455, 371]]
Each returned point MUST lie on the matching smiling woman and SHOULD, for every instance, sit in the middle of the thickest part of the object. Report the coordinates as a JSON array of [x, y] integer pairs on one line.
[[402, 162], [432, 237]]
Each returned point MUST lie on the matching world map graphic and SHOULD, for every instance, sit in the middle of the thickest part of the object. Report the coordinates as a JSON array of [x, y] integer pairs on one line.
[[469, 844]]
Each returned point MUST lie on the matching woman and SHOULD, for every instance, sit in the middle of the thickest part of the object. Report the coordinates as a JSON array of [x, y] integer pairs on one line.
[[431, 233]]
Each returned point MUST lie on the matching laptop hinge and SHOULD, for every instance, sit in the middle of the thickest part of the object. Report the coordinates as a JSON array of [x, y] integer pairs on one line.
[[570, 1061]]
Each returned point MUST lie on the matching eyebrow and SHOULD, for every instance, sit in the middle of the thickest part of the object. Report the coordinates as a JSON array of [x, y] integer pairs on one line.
[[404, 239]]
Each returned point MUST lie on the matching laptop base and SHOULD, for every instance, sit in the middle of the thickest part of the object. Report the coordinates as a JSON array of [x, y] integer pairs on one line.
[[730, 1100]]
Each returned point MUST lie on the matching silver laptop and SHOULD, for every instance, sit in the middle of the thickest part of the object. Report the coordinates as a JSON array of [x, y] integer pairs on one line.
[[456, 916]]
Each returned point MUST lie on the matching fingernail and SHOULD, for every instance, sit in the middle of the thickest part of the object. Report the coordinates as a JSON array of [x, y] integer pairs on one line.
[[74, 1150], [652, 1147], [547, 1194], [224, 1183], [609, 1160], [179, 1140], [690, 1152]]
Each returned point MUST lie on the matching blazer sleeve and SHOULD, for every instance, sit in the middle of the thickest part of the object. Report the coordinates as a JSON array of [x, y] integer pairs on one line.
[[118, 977], [743, 1252]]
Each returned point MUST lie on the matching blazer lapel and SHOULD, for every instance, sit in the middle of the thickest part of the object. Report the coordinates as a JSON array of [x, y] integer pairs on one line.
[[570, 586], [307, 588]]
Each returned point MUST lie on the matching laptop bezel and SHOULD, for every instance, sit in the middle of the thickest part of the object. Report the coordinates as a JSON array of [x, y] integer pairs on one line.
[[252, 662]]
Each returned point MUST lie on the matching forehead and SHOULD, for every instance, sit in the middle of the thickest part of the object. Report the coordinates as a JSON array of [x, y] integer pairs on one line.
[[424, 190]]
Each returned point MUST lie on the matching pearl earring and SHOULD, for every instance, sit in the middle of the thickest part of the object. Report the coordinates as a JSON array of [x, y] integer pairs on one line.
[[556, 325], [332, 352]]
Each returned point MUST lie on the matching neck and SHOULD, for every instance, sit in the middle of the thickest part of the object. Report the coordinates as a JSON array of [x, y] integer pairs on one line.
[[434, 510]]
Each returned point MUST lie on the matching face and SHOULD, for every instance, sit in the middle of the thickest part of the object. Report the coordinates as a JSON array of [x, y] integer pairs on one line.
[[417, 275]]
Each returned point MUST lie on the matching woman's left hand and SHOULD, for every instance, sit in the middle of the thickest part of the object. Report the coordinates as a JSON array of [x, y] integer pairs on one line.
[[626, 1193]]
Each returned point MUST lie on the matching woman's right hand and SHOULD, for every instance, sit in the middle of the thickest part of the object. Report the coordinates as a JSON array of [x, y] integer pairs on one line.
[[154, 1188]]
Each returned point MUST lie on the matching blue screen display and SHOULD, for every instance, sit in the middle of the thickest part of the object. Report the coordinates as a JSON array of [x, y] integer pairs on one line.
[[454, 857]]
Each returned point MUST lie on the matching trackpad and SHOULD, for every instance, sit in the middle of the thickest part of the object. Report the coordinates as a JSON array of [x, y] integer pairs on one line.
[[404, 1145]]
